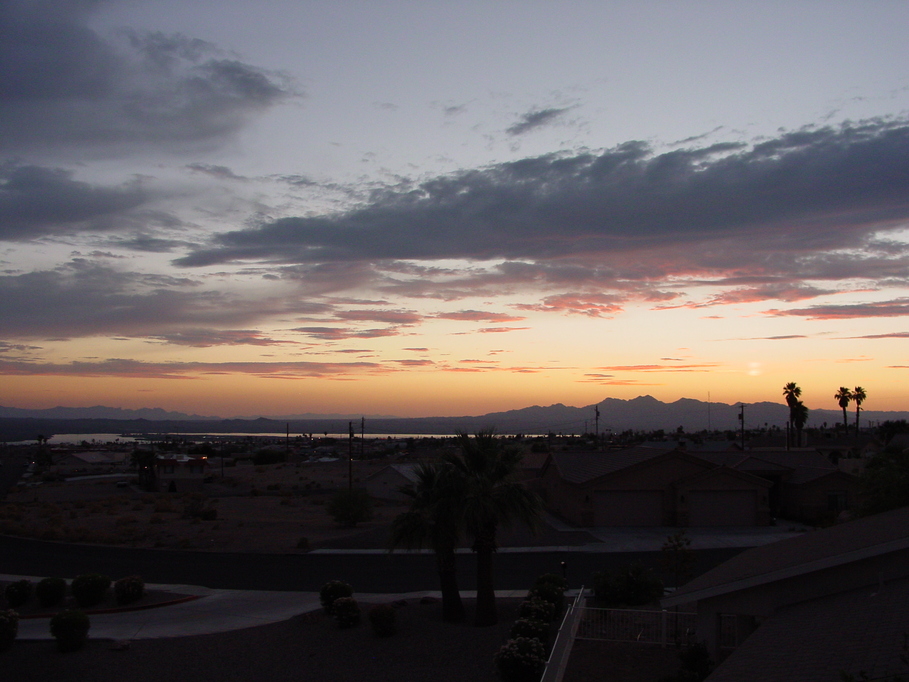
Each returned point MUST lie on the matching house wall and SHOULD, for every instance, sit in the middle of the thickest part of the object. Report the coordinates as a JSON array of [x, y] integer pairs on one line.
[[809, 502], [385, 484]]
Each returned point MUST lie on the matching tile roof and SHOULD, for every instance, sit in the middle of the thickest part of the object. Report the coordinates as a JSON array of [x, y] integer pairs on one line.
[[581, 467], [871, 535], [817, 640]]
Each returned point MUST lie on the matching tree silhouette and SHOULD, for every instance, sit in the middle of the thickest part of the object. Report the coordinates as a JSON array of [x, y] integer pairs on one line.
[[799, 419], [433, 520], [492, 496], [842, 397], [792, 393], [858, 397]]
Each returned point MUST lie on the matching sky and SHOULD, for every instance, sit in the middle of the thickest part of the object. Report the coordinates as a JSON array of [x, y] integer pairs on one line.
[[428, 208]]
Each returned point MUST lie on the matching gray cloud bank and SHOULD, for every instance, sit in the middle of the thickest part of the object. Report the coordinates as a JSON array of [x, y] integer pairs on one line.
[[64, 85], [805, 193]]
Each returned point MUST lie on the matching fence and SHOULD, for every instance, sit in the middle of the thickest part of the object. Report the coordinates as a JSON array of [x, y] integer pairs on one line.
[[629, 625], [561, 648]]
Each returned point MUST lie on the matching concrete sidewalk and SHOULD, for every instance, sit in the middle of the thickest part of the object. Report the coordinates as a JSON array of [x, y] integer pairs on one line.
[[214, 611]]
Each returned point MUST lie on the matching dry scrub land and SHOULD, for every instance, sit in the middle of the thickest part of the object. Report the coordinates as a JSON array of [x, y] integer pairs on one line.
[[274, 508]]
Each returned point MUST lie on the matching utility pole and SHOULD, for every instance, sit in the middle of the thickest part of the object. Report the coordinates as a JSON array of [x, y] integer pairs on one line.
[[596, 409], [350, 438], [362, 436], [742, 422]]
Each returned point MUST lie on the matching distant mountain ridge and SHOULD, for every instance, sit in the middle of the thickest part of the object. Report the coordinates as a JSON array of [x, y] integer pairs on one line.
[[641, 413]]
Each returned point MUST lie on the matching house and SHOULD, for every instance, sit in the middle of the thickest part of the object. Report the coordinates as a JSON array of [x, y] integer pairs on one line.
[[812, 607], [386, 483], [644, 486], [180, 473]]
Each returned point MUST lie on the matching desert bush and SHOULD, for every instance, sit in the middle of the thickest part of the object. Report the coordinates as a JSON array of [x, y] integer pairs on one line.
[[632, 586], [89, 589], [303, 543], [9, 628], [521, 659], [332, 591], [268, 456], [70, 629], [552, 579], [553, 594], [346, 611], [129, 589], [350, 507], [697, 665], [209, 514], [164, 504], [532, 628], [50, 591], [18, 593], [382, 618], [537, 609]]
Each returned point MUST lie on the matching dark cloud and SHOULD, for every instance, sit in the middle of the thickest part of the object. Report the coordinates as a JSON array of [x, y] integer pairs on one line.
[[219, 172], [186, 370], [535, 119], [206, 338], [64, 85], [83, 298], [625, 212], [896, 308], [37, 201]]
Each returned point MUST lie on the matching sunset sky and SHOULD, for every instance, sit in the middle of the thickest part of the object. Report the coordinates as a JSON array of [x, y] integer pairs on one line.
[[430, 208]]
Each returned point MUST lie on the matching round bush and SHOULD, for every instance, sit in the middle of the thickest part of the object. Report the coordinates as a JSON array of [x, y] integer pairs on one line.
[[9, 628], [554, 595], [50, 591], [521, 659], [552, 579], [18, 593], [382, 618], [346, 611], [70, 629], [531, 628], [537, 609], [129, 589], [332, 591], [90, 589]]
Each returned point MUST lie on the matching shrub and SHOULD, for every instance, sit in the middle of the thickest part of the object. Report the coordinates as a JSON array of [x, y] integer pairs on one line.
[[536, 609], [551, 593], [89, 589], [268, 456], [303, 543], [632, 586], [350, 507], [50, 591], [382, 618], [9, 628], [552, 579], [18, 593], [129, 589], [521, 659], [531, 628], [70, 629], [332, 591], [346, 611]]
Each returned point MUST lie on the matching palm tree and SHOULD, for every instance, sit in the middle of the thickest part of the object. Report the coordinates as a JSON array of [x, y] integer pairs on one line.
[[843, 396], [799, 419], [858, 397], [491, 497], [433, 520], [792, 393]]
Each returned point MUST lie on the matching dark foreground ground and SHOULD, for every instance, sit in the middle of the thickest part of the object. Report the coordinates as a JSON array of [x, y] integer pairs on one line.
[[312, 648]]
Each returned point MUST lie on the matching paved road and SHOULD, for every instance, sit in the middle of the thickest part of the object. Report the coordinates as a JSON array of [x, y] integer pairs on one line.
[[373, 572]]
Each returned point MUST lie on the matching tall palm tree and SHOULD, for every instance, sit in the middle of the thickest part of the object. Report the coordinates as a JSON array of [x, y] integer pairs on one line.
[[799, 419], [433, 520], [842, 397], [858, 397], [792, 393], [492, 497]]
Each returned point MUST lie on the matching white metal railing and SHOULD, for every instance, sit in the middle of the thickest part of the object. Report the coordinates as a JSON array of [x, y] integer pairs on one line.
[[561, 648], [632, 625]]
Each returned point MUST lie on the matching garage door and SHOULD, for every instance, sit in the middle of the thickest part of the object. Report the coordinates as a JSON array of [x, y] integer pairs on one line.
[[629, 508], [723, 508]]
